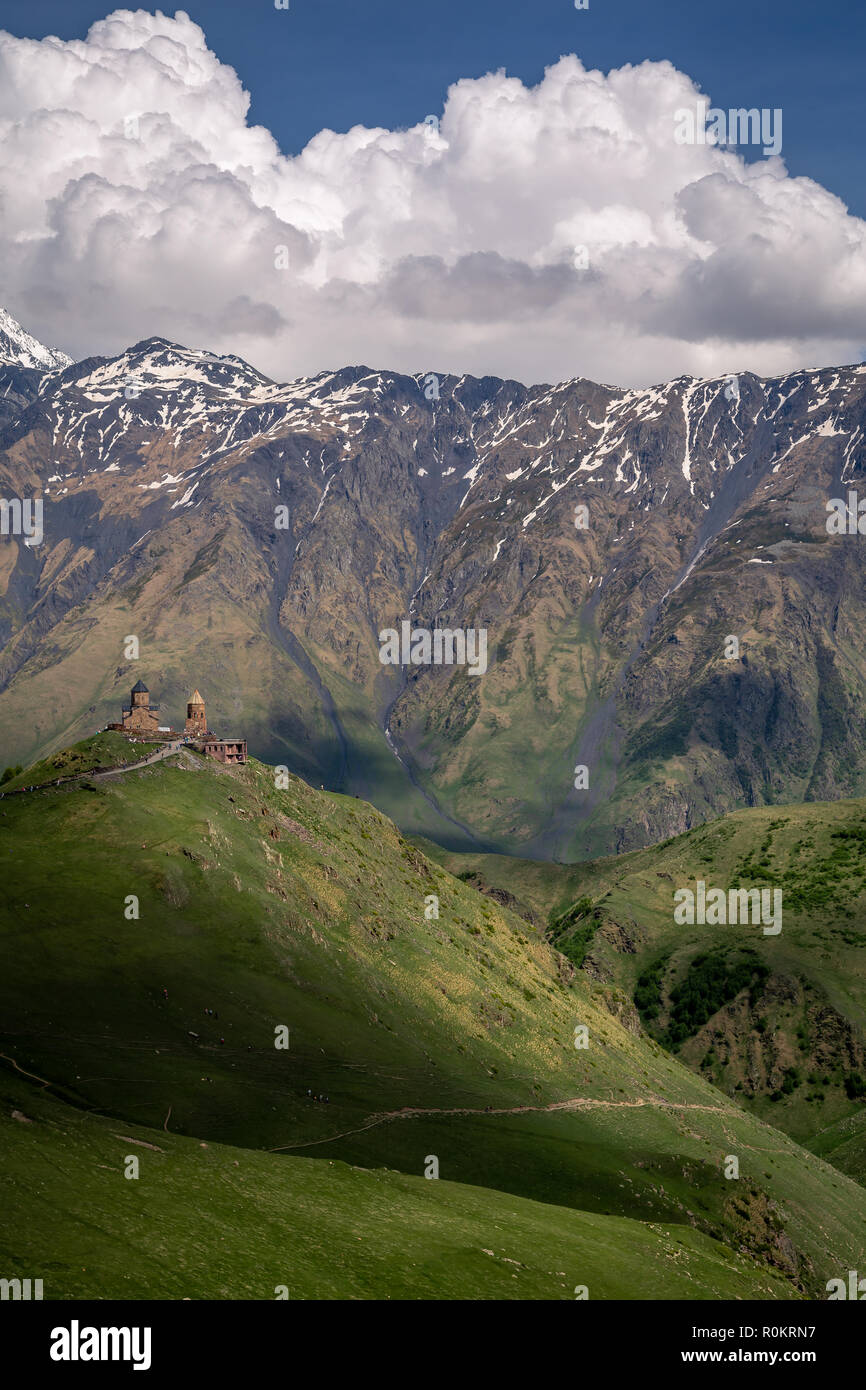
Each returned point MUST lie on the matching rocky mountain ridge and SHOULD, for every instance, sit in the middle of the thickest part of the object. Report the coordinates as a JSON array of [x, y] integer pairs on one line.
[[257, 537]]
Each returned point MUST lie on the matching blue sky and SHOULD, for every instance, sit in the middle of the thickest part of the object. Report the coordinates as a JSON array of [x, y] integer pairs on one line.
[[556, 224], [336, 63]]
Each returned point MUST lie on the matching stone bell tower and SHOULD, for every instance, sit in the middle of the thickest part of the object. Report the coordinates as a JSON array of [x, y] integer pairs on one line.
[[196, 723]]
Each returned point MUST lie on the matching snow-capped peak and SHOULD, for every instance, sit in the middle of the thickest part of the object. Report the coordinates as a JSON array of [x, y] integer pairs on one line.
[[157, 365], [20, 348]]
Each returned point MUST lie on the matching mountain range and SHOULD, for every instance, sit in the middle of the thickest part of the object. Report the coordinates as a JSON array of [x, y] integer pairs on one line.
[[257, 538]]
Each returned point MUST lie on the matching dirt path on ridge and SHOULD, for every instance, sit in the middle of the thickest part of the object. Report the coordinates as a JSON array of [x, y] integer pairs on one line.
[[579, 1103]]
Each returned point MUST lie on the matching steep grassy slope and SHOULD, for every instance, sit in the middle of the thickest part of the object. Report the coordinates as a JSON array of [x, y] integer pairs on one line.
[[206, 1221], [778, 1021], [103, 751], [844, 1145], [450, 1036]]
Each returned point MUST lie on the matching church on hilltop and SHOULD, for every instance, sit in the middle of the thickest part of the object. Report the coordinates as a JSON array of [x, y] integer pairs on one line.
[[140, 716], [140, 719]]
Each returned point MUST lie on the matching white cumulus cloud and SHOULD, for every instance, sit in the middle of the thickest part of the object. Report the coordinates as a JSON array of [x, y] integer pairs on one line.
[[542, 232]]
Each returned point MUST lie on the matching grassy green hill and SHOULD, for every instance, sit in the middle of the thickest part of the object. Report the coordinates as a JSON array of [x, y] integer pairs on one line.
[[204, 1220], [780, 1021], [451, 1036]]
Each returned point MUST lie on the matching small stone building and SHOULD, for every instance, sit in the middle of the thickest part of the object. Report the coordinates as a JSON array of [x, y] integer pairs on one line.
[[226, 750]]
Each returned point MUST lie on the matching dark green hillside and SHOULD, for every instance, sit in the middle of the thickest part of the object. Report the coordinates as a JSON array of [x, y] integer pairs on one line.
[[451, 1037], [207, 1221]]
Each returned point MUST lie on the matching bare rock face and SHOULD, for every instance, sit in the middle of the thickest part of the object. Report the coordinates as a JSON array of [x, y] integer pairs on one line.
[[758, 1224], [663, 603], [623, 1010], [503, 897], [623, 937]]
